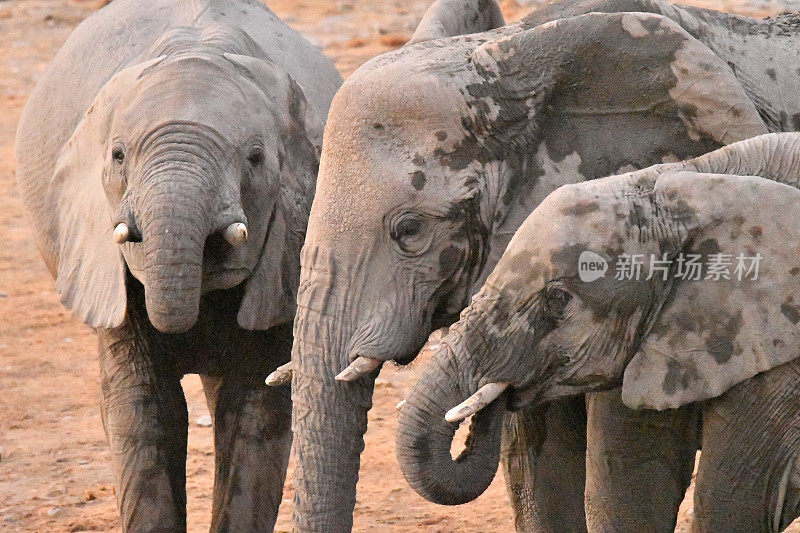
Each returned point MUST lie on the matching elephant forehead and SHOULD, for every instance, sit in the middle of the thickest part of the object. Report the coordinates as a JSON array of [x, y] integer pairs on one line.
[[360, 193], [413, 108], [577, 214], [382, 148], [198, 92]]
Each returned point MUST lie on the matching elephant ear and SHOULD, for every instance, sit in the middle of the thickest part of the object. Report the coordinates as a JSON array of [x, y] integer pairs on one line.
[[595, 95], [742, 317], [90, 276], [448, 18], [271, 291]]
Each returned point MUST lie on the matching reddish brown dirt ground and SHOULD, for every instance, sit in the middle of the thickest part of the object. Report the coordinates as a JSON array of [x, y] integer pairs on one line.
[[55, 472]]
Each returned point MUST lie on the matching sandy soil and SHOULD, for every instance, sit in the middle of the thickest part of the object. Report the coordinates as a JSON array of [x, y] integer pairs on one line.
[[55, 472]]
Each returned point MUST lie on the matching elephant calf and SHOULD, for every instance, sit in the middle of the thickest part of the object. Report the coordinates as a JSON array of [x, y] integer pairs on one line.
[[168, 158], [568, 309]]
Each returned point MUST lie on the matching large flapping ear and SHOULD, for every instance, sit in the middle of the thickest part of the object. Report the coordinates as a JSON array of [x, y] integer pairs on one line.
[[91, 273], [271, 292], [742, 316], [593, 95], [612, 71], [448, 18]]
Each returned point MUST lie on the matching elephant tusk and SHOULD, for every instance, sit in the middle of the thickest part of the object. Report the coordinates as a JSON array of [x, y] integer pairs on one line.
[[122, 233], [236, 233], [281, 375], [485, 395], [400, 404], [359, 368]]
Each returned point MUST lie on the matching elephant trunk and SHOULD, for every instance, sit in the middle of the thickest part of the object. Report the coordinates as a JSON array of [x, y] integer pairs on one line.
[[775, 157], [330, 417], [424, 437], [174, 229]]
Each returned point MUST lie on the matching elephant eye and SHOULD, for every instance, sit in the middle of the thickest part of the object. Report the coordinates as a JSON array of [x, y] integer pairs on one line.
[[118, 155], [256, 157], [556, 301], [412, 232], [405, 228]]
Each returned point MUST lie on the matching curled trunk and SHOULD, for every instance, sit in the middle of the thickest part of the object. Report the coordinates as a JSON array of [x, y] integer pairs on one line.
[[424, 438]]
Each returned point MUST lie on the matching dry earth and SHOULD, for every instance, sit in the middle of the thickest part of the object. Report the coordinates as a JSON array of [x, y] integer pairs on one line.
[[55, 472]]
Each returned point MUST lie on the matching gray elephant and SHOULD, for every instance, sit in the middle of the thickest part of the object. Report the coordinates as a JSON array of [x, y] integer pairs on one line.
[[545, 326], [434, 155], [168, 158]]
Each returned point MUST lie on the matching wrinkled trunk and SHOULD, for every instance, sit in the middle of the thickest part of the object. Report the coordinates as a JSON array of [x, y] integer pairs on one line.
[[424, 437], [773, 157], [329, 416], [174, 230]]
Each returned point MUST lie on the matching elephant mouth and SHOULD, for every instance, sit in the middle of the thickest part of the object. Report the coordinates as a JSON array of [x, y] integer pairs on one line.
[[222, 265], [222, 277]]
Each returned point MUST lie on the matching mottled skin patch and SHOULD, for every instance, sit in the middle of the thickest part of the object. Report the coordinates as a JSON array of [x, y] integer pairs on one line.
[[771, 73], [679, 376], [747, 45], [721, 343], [449, 258], [418, 180], [581, 209], [791, 312], [593, 99]]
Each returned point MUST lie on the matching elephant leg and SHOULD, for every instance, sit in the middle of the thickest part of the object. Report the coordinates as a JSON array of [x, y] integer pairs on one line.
[[146, 422], [748, 478], [252, 440], [638, 464], [544, 452]]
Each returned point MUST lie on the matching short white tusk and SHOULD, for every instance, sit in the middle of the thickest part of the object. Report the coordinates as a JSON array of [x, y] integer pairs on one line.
[[122, 233], [400, 404], [236, 233], [358, 369], [485, 395], [281, 375]]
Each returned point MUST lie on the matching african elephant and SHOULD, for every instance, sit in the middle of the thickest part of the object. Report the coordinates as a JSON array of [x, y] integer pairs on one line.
[[434, 155], [545, 326], [168, 158]]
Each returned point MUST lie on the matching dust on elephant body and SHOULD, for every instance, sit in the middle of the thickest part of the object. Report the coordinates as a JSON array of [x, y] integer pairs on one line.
[[168, 158], [542, 329], [434, 155]]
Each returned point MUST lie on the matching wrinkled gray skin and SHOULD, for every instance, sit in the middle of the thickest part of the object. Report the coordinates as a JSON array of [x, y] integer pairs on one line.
[[179, 119], [434, 155], [537, 326]]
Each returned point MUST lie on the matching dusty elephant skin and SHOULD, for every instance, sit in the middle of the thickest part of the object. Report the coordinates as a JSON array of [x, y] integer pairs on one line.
[[542, 330], [434, 155], [168, 158]]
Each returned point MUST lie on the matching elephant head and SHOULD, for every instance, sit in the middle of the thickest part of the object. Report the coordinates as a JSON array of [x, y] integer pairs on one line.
[[545, 325], [194, 173], [432, 157]]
